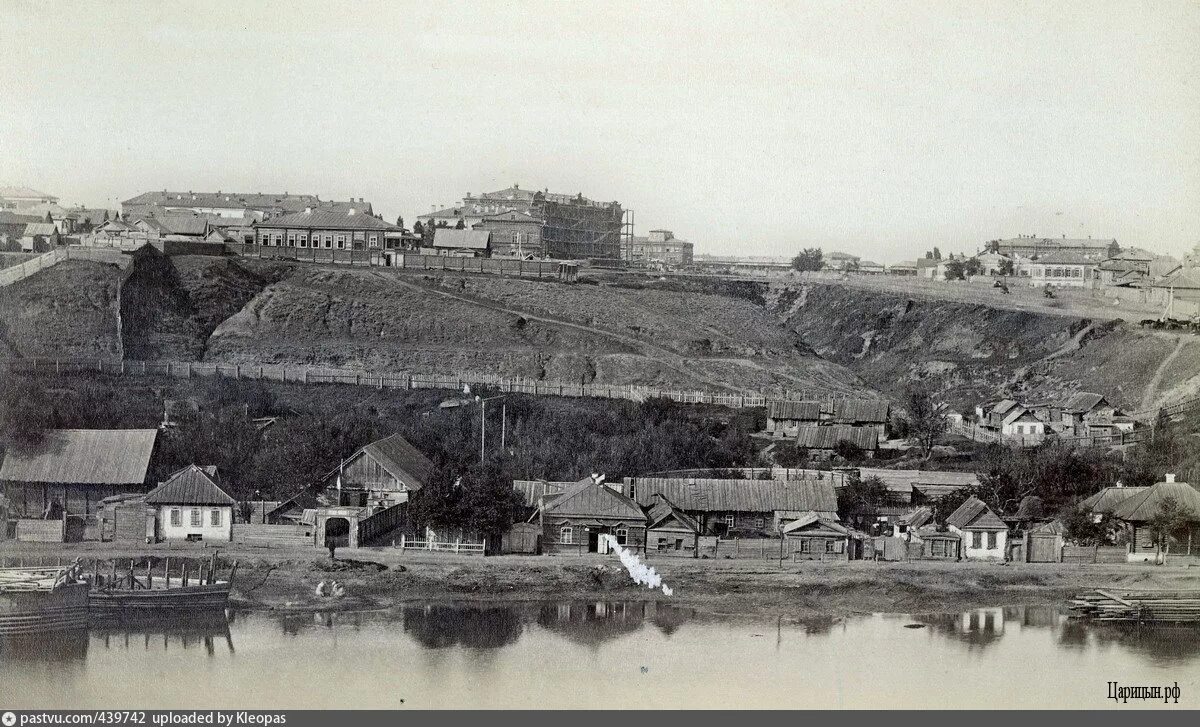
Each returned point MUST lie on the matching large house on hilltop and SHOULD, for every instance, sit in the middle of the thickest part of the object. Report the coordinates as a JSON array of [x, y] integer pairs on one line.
[[328, 228], [569, 227], [1029, 246]]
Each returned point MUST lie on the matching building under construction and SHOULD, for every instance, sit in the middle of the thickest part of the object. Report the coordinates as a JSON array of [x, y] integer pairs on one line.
[[572, 227]]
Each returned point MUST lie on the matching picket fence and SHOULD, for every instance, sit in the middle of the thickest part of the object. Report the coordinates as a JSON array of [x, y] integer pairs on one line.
[[291, 374]]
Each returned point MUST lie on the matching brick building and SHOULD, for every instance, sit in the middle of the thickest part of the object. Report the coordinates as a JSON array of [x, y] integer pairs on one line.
[[659, 249]]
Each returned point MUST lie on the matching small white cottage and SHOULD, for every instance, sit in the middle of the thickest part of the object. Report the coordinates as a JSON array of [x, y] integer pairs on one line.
[[190, 505]]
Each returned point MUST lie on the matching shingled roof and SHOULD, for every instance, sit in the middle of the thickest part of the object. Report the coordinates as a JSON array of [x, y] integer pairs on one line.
[[974, 514], [827, 437], [191, 485], [874, 411], [587, 498], [803, 410], [83, 456], [1083, 402], [1106, 500]]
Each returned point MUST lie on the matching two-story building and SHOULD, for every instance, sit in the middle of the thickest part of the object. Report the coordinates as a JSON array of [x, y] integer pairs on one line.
[[1062, 269]]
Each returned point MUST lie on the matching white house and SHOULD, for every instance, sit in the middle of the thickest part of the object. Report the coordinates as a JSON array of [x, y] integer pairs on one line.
[[984, 535], [190, 505]]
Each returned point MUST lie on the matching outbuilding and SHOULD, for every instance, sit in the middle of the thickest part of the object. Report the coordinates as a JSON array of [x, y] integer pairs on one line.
[[817, 537]]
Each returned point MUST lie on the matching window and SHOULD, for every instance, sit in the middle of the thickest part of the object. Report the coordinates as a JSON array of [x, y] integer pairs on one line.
[[565, 535], [622, 536], [991, 540], [291, 239], [214, 518], [176, 517], [729, 521], [760, 522], [662, 543], [196, 520], [373, 241], [938, 547], [279, 240], [329, 241], [678, 543], [302, 240], [805, 545], [341, 242], [976, 539]]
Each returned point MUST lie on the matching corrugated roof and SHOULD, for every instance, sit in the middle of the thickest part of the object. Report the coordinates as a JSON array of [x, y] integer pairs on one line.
[[191, 485], [827, 437], [861, 410], [402, 460], [803, 410], [1106, 500], [1146, 504], [974, 514], [721, 495], [464, 239], [40, 228], [335, 218], [83, 456]]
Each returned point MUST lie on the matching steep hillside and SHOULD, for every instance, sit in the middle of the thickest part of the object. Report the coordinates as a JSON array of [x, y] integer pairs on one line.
[[387, 320], [977, 352], [66, 311]]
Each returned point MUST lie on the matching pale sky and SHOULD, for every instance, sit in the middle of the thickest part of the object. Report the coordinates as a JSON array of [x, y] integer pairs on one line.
[[881, 129]]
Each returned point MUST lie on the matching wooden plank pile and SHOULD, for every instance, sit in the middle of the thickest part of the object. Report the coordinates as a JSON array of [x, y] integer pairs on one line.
[[1142, 606]]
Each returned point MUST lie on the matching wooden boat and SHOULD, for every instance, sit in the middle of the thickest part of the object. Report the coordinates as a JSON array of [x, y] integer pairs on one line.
[[35, 601], [128, 594]]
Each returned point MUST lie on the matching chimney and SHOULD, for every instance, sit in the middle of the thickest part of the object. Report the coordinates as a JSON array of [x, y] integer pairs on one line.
[[1170, 477], [308, 210], [597, 478], [352, 211], [1120, 484]]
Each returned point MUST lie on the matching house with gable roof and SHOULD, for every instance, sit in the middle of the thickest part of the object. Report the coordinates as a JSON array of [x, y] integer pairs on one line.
[[378, 475], [1138, 511], [190, 505], [670, 530], [573, 520], [984, 535]]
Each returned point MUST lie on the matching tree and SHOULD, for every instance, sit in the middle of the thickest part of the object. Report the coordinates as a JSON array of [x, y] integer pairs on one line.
[[1007, 267], [926, 418], [490, 503], [810, 259], [790, 455], [945, 505], [847, 450], [1084, 528], [861, 498], [461, 224], [26, 410], [106, 215], [955, 270], [937, 254], [400, 222], [1171, 521], [418, 229], [972, 267]]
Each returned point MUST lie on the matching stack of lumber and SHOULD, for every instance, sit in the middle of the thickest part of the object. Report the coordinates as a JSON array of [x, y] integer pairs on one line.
[[1139, 605], [29, 579]]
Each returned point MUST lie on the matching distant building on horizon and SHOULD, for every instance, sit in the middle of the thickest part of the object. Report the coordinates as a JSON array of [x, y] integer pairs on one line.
[[658, 248], [237, 206], [20, 198], [1029, 246], [569, 227]]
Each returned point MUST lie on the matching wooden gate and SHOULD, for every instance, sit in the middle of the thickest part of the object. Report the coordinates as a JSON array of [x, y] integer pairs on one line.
[[1045, 548]]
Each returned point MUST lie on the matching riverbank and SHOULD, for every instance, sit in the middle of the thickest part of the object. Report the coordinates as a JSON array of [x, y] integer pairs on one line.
[[286, 580]]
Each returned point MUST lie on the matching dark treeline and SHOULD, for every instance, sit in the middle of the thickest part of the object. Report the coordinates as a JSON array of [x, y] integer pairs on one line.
[[311, 429]]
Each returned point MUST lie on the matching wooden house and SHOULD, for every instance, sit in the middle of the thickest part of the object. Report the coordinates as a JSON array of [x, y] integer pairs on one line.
[[819, 537], [1137, 512], [862, 414], [927, 543], [729, 507], [822, 442], [984, 535], [1106, 500], [69, 471], [190, 505], [784, 418], [460, 243], [1086, 414], [670, 530], [573, 520], [378, 475]]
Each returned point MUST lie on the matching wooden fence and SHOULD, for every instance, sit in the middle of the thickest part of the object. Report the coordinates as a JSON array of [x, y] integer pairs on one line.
[[457, 546], [1094, 554], [401, 259], [12, 274], [978, 434], [271, 536], [380, 523], [285, 373]]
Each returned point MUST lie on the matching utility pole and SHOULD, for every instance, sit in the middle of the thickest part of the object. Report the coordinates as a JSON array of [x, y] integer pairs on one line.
[[503, 423], [482, 428]]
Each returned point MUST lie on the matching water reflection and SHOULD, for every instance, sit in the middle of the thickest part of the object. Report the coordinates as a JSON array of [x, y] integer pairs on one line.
[[438, 626], [64, 647], [165, 633]]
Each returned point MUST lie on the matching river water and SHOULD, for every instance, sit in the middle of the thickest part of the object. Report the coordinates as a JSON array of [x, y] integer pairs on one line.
[[600, 655]]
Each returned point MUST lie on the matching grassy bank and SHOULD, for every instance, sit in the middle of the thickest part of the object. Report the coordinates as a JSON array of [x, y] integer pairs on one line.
[[380, 579]]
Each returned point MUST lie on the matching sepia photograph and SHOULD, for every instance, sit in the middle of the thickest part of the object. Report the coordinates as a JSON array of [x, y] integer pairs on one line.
[[394, 356]]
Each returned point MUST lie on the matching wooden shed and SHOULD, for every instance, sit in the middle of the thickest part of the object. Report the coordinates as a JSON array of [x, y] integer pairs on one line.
[[671, 531], [815, 537]]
